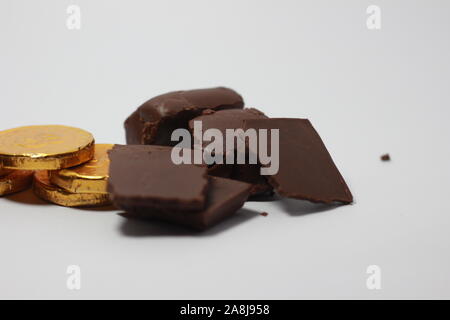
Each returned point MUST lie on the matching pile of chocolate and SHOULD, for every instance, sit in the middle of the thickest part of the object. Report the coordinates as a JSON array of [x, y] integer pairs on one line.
[[145, 182]]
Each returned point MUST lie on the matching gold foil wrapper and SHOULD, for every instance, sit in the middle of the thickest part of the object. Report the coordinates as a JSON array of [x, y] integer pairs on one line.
[[15, 181], [51, 147], [90, 177], [4, 172], [45, 190]]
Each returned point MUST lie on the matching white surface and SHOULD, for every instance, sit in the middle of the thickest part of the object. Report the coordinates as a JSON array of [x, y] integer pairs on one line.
[[366, 92]]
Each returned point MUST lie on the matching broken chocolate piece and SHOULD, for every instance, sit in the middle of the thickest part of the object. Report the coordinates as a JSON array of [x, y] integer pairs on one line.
[[156, 119], [250, 173], [386, 157], [145, 176], [134, 127], [223, 120], [306, 169], [225, 197], [221, 170], [233, 119]]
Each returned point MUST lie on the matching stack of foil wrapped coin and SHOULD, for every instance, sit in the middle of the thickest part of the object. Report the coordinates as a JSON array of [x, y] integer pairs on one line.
[[63, 164]]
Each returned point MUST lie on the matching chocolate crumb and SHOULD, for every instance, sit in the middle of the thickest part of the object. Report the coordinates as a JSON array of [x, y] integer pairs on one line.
[[264, 214], [386, 157]]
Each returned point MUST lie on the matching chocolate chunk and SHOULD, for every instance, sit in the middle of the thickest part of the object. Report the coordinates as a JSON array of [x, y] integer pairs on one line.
[[306, 169], [264, 214], [225, 197], [250, 173], [145, 176], [221, 170], [134, 127], [386, 157], [156, 119], [224, 119], [233, 119]]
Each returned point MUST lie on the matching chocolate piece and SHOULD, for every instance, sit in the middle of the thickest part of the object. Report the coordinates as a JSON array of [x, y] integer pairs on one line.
[[225, 197], [250, 173], [386, 157], [233, 119], [306, 169], [145, 176], [224, 119], [264, 214], [134, 129], [221, 170], [156, 119]]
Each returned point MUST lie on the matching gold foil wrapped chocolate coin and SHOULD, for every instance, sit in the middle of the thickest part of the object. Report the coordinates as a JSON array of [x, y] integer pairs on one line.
[[45, 190], [4, 172], [51, 147], [15, 181], [89, 177]]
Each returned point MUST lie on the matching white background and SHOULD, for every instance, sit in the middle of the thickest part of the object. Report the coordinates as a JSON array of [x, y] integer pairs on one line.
[[366, 92]]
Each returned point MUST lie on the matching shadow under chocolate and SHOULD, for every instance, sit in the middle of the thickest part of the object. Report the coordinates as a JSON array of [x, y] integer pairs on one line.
[[296, 208]]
